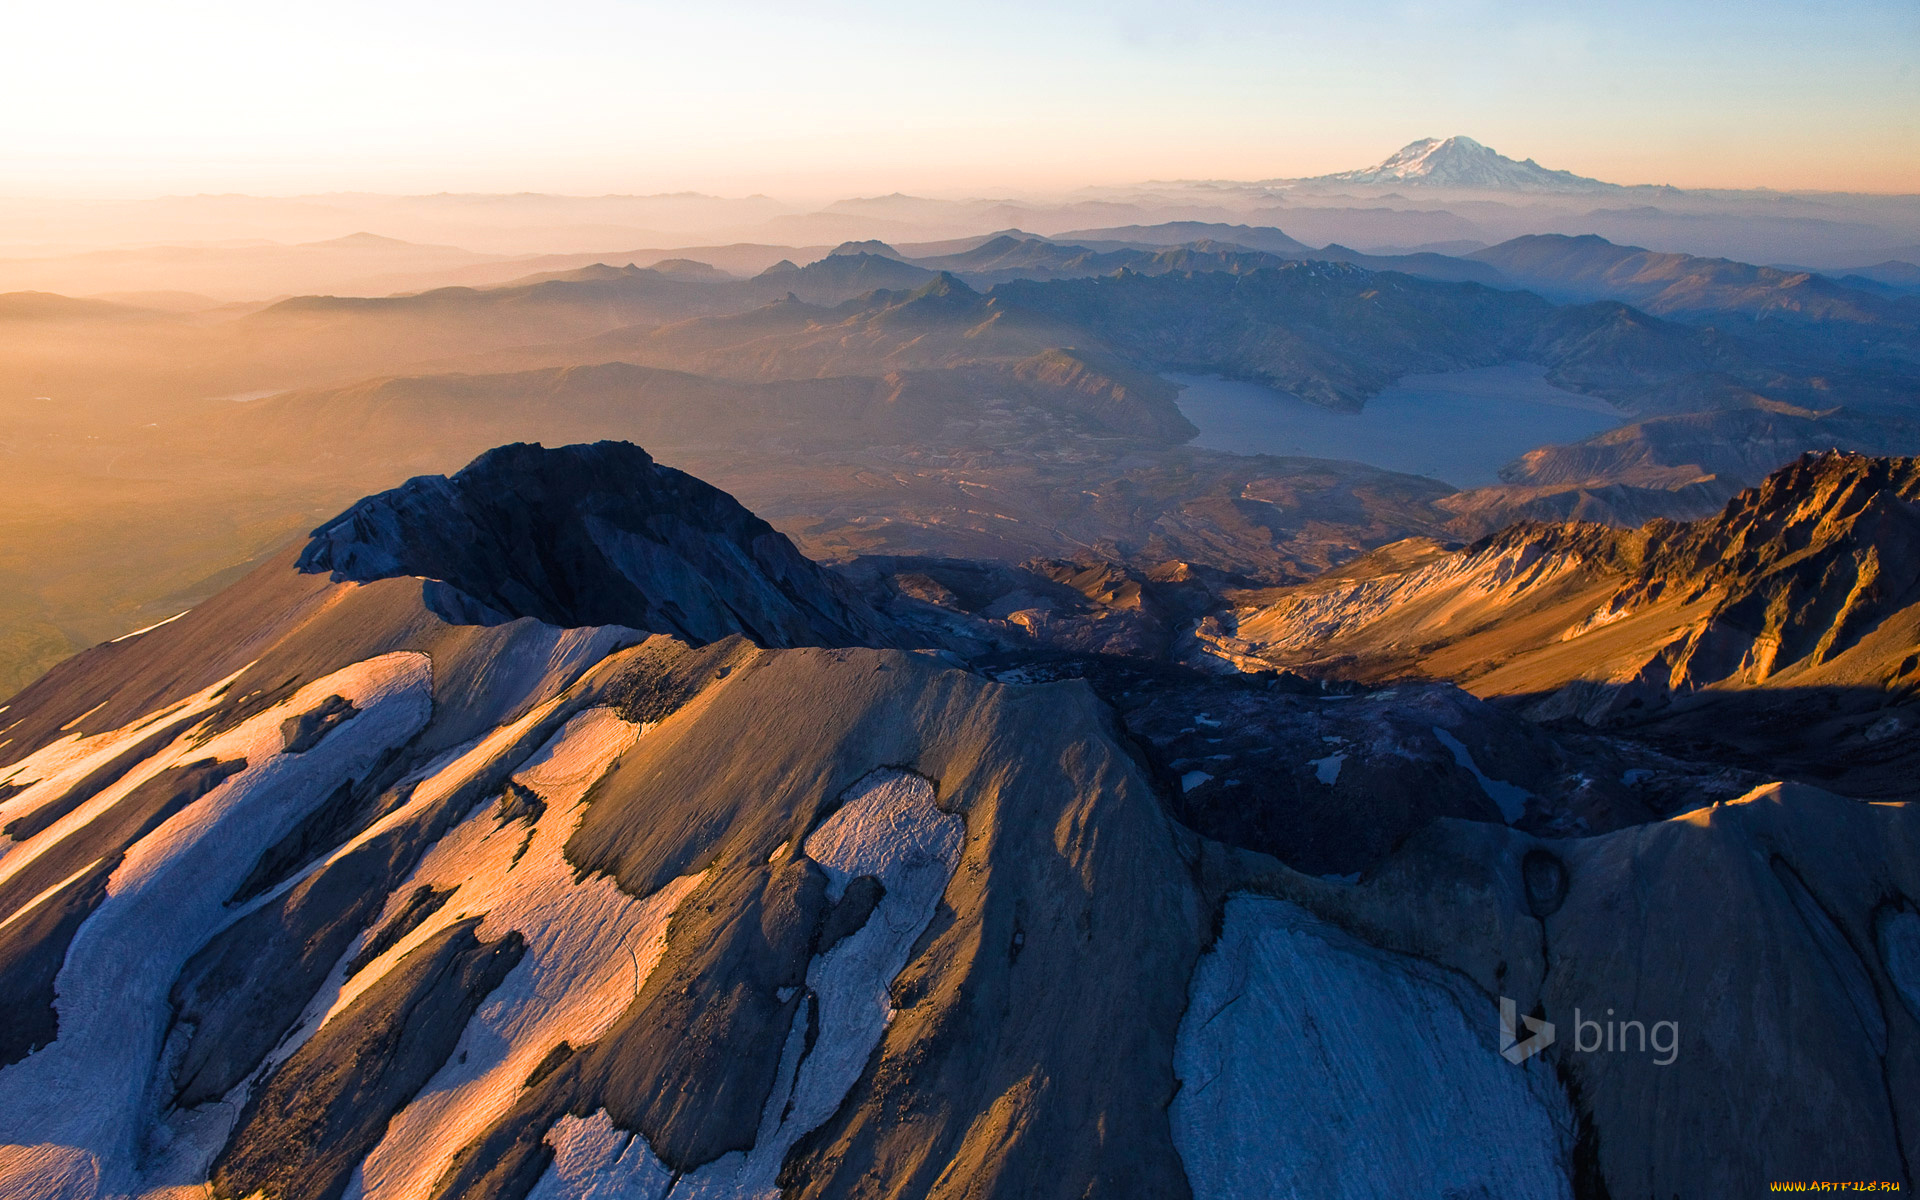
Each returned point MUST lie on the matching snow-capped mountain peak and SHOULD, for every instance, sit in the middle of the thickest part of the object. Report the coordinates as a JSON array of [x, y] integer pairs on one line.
[[1462, 163]]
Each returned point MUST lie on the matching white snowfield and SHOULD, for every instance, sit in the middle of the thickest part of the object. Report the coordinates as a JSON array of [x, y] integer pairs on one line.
[[50, 771], [127, 637], [590, 947], [595, 1160], [889, 827], [1312, 1065], [1461, 162], [72, 1114], [75, 1122], [195, 1137], [1511, 799]]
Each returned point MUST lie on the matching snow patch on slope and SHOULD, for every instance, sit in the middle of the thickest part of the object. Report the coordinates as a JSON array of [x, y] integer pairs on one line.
[[590, 947], [595, 1160], [53, 770], [192, 1138], [1314, 1065], [150, 628], [87, 1091], [448, 773], [1327, 770], [888, 827], [1511, 798]]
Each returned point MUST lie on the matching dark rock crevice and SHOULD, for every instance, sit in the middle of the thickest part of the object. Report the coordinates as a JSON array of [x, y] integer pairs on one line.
[[349, 808], [32, 950], [303, 1134], [303, 732], [422, 903]]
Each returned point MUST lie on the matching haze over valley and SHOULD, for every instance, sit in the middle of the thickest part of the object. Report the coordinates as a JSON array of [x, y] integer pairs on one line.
[[150, 426]]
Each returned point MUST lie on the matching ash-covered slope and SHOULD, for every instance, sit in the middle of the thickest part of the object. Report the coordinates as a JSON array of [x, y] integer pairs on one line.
[[335, 894], [592, 535], [315, 892]]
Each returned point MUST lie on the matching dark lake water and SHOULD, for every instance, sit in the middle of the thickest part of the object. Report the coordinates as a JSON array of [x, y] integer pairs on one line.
[[1460, 427]]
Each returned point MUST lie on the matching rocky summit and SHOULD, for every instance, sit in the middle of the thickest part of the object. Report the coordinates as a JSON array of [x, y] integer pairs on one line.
[[591, 535]]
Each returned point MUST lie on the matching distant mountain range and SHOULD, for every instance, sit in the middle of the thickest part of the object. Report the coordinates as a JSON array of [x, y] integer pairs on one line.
[[193, 253], [1590, 267]]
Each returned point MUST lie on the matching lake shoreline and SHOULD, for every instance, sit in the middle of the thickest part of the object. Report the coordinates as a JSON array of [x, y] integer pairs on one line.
[[1459, 427]]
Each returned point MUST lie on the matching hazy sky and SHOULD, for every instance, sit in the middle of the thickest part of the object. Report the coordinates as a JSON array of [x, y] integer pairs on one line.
[[843, 96]]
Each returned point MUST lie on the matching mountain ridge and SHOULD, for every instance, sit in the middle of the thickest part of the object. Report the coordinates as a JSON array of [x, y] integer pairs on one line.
[[1804, 579]]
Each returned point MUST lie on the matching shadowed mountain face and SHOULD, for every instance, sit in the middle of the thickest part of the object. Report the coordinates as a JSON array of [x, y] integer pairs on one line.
[[1335, 330], [416, 867], [1337, 334], [840, 275], [1735, 447], [591, 535], [1683, 285], [1176, 233]]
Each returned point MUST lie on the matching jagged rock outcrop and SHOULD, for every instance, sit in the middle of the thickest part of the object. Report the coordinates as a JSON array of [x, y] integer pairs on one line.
[[592, 535], [1798, 570], [1789, 577], [1388, 608]]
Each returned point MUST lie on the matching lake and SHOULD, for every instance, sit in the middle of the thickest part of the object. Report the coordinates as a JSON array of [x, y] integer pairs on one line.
[[1459, 427]]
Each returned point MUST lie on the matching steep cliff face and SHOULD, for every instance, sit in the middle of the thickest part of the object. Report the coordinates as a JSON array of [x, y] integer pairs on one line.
[[1798, 570], [592, 535], [1813, 576]]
